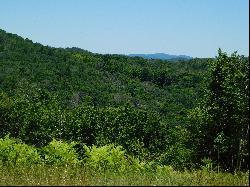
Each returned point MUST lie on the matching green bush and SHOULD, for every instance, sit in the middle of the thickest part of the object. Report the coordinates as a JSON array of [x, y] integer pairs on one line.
[[106, 157], [60, 153], [110, 157], [177, 156], [14, 152], [208, 165]]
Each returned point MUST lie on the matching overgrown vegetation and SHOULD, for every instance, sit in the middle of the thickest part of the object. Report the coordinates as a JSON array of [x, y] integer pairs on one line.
[[70, 107], [59, 163]]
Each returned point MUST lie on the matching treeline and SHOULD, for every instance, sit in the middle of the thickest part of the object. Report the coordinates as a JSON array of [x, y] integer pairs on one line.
[[178, 113], [39, 119]]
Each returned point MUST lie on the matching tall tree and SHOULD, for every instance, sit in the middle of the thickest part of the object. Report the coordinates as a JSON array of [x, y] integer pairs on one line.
[[221, 121]]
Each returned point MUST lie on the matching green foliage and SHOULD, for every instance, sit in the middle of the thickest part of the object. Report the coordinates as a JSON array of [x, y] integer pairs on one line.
[[207, 165], [106, 157], [14, 152], [60, 153], [74, 95], [137, 131], [35, 118], [103, 165], [177, 156], [78, 76], [221, 123], [39, 119], [115, 158]]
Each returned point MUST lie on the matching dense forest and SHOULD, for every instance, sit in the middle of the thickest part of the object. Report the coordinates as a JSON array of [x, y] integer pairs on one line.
[[182, 113]]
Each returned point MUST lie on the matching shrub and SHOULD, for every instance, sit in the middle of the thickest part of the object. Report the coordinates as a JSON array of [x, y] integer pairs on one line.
[[163, 169], [177, 156], [110, 157], [207, 165], [15, 152], [60, 153], [107, 157]]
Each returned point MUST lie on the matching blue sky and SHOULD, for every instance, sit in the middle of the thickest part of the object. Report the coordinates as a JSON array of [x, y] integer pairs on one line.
[[191, 27]]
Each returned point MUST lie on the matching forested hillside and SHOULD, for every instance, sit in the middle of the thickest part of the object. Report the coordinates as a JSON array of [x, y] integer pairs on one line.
[[78, 76], [173, 112]]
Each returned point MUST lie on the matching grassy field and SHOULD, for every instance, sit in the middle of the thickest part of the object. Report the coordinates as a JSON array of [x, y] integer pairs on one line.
[[51, 175]]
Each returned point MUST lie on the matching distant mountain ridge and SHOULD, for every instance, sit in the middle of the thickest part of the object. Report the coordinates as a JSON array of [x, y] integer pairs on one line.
[[162, 56]]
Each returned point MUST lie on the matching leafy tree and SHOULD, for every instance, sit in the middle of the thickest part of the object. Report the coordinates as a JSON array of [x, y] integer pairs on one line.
[[221, 129]]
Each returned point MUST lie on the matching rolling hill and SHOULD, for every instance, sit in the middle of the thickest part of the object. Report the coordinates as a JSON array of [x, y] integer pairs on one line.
[[162, 56]]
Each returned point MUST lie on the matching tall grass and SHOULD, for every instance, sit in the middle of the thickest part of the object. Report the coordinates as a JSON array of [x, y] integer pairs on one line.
[[70, 175]]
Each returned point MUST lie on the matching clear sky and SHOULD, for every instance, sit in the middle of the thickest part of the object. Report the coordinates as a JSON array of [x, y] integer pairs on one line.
[[190, 27]]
